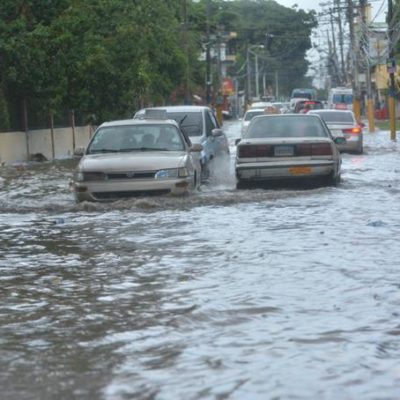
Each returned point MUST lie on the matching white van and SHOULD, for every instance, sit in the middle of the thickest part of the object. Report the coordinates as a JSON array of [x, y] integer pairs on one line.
[[340, 98]]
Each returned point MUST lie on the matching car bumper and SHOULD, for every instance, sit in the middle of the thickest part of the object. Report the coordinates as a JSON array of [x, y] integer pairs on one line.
[[282, 170], [106, 191], [353, 144]]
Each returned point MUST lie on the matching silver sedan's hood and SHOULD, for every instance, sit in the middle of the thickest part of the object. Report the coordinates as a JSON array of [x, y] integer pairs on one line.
[[133, 161], [196, 139]]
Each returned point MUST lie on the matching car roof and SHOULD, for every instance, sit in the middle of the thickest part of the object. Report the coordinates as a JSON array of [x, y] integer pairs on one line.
[[255, 109], [176, 108], [125, 122], [330, 110], [288, 116]]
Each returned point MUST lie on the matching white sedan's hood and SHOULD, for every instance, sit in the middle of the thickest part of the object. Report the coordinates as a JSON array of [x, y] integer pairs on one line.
[[133, 161]]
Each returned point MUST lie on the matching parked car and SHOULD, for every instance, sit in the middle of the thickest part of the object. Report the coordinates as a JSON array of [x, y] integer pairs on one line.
[[201, 125], [249, 114], [343, 123], [287, 146], [135, 157]]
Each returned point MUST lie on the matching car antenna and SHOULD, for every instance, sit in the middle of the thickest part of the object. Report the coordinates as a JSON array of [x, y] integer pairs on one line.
[[181, 121]]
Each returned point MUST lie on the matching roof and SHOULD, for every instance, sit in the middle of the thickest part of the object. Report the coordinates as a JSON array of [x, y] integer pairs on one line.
[[330, 110], [125, 122], [176, 108]]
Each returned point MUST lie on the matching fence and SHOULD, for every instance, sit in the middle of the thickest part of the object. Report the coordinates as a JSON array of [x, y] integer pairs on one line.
[[42, 144]]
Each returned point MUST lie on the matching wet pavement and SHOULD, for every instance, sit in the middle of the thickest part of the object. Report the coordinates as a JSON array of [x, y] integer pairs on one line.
[[260, 294]]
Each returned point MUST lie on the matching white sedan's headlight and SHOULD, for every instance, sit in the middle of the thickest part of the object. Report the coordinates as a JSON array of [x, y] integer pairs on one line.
[[172, 173]]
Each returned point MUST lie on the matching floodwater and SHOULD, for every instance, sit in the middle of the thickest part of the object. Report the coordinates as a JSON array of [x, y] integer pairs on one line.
[[261, 294]]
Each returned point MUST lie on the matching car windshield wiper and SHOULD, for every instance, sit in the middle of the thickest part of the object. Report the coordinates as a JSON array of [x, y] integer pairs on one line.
[[127, 150]]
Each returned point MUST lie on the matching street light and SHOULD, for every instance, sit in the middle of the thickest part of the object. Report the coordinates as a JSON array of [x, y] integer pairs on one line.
[[257, 83]]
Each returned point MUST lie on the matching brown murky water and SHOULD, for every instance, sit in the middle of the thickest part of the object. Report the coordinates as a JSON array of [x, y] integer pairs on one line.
[[226, 294]]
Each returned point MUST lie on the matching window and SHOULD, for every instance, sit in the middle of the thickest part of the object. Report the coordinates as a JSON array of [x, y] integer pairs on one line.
[[190, 122], [210, 125], [283, 127]]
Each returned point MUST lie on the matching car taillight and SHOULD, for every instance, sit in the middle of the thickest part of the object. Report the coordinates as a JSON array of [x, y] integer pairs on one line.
[[304, 149], [314, 149], [321, 149], [354, 131], [260, 150]]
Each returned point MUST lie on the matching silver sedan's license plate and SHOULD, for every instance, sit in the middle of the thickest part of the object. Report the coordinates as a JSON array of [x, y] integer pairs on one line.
[[283, 150]]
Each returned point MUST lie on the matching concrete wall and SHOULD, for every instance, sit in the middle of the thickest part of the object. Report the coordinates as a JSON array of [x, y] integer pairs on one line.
[[14, 145]]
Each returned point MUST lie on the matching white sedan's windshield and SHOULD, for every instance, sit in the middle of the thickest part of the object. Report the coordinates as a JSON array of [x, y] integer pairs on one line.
[[251, 114], [285, 126], [136, 138], [337, 117]]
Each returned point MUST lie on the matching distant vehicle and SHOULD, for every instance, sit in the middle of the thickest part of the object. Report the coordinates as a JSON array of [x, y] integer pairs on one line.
[[136, 157], [248, 116], [305, 93], [287, 147], [260, 104], [340, 98], [304, 106], [282, 107], [343, 123], [201, 125]]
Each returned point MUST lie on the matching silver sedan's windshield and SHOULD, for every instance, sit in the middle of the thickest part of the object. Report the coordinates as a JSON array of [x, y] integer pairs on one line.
[[285, 126], [144, 137]]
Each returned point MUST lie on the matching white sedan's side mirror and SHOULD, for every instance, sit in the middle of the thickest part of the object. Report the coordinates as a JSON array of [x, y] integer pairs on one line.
[[217, 132]]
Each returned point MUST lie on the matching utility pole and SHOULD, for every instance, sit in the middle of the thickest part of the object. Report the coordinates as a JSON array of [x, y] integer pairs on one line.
[[248, 70], [365, 44], [343, 71], [208, 55], [354, 63], [391, 70], [186, 47], [257, 76]]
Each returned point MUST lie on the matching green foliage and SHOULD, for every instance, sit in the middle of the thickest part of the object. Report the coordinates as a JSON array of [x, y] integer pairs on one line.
[[108, 57], [284, 33]]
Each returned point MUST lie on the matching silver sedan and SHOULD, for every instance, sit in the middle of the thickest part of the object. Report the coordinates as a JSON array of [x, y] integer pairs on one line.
[[288, 146], [134, 157]]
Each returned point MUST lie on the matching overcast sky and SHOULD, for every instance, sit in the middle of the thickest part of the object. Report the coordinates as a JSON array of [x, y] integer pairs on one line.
[[379, 7]]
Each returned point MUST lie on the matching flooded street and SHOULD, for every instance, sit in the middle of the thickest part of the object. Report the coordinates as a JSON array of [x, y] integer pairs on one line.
[[225, 294]]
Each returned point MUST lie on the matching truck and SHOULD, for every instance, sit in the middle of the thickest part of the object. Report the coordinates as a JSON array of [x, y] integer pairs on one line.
[[340, 98]]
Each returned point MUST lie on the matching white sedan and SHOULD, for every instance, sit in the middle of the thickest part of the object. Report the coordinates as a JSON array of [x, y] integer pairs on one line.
[[343, 123], [287, 146], [135, 157], [248, 116]]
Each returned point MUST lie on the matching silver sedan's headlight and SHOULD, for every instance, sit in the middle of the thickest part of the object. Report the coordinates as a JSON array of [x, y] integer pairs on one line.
[[172, 173], [81, 176], [78, 176]]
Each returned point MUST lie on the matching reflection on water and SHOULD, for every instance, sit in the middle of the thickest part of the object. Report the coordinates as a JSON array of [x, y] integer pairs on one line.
[[225, 294]]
